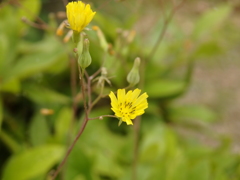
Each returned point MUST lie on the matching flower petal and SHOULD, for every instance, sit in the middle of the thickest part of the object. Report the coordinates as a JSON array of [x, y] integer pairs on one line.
[[114, 101], [121, 95]]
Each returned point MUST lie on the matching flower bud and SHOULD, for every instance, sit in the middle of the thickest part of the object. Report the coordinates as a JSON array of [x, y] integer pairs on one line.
[[101, 37], [60, 29], [85, 59], [68, 36], [133, 76]]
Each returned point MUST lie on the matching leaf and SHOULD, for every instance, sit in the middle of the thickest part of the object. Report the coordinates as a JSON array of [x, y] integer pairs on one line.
[[164, 88], [193, 112], [39, 131], [207, 49], [1, 113], [43, 95], [62, 123], [37, 62], [32, 162], [202, 166], [210, 21], [12, 86]]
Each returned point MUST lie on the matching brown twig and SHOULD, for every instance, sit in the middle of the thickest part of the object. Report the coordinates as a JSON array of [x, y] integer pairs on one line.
[[33, 24], [81, 76], [43, 23], [97, 99]]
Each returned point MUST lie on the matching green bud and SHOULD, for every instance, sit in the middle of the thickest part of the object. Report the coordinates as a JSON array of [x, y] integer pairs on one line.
[[102, 39], [84, 59], [133, 76], [80, 44]]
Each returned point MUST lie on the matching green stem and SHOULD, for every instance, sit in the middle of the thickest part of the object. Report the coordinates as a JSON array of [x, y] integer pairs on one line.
[[98, 98]]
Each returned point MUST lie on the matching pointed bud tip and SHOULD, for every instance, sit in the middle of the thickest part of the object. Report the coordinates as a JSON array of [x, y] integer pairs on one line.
[[95, 28]]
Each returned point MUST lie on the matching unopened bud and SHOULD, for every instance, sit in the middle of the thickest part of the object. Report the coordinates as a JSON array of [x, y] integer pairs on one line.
[[60, 29], [85, 59], [133, 76], [131, 36], [46, 112], [68, 36], [101, 37]]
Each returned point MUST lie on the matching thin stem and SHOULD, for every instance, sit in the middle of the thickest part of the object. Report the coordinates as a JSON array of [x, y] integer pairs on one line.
[[101, 117], [165, 25], [32, 14], [96, 73], [98, 98], [33, 24], [89, 90], [81, 74], [73, 89]]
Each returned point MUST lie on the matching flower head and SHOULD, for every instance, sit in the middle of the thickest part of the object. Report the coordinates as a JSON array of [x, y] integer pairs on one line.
[[128, 106], [79, 15]]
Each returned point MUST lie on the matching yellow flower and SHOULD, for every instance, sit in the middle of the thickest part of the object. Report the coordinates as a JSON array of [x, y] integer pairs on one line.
[[128, 106], [79, 15]]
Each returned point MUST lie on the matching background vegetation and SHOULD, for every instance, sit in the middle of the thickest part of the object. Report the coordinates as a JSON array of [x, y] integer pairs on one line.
[[189, 55]]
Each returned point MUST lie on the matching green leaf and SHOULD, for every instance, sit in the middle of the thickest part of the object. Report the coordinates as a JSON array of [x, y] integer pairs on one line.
[[211, 20], [4, 45], [192, 112], [207, 49], [164, 88], [1, 113], [199, 170], [37, 62], [62, 123], [39, 131], [12, 86], [33, 162], [43, 95]]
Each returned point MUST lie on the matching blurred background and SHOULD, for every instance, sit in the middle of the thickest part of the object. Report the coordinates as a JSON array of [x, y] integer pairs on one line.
[[190, 70]]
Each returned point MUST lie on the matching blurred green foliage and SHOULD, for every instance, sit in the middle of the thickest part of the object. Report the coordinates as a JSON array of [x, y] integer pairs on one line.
[[35, 75]]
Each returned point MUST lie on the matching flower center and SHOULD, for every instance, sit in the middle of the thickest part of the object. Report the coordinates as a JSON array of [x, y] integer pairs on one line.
[[126, 108]]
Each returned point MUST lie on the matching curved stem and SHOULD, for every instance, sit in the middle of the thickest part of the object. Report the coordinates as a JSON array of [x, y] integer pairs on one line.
[[98, 98], [81, 74], [162, 33]]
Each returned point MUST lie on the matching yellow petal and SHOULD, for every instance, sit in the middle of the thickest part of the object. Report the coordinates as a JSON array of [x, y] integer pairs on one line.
[[140, 99], [128, 121], [135, 94], [114, 101], [121, 95]]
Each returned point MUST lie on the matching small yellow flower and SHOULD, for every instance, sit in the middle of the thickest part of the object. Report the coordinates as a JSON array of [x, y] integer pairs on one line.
[[79, 15], [128, 106]]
